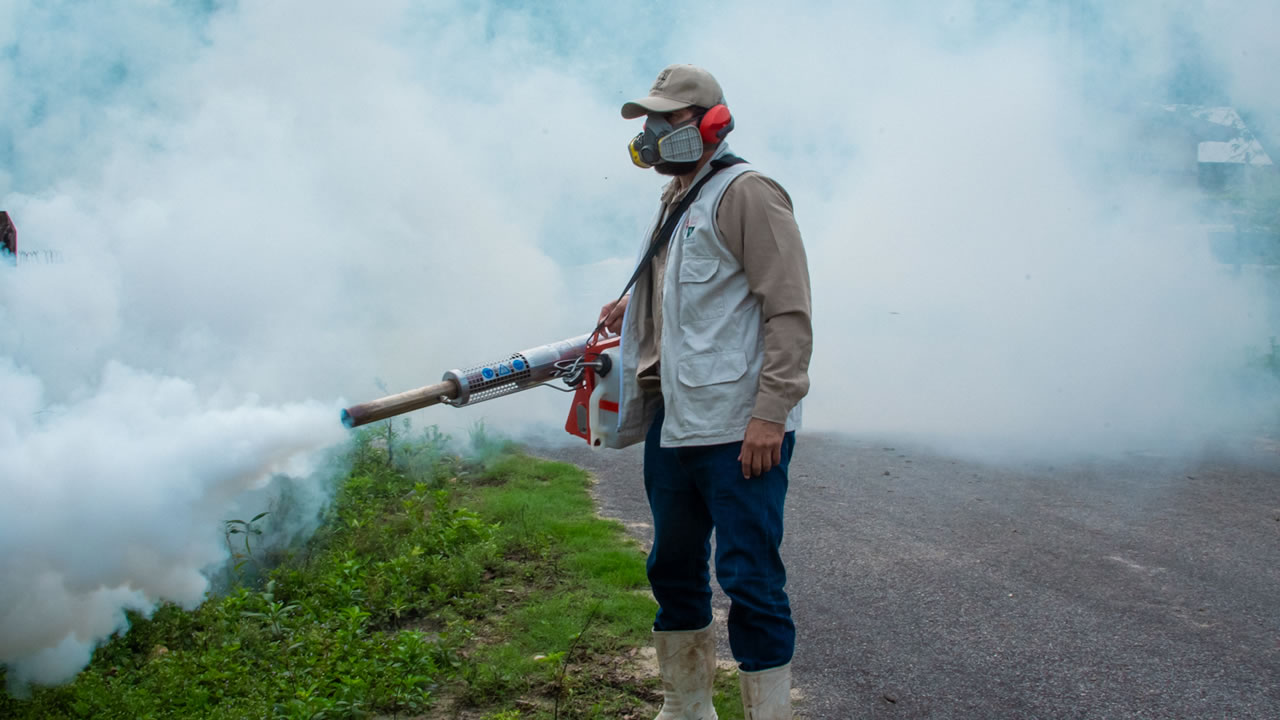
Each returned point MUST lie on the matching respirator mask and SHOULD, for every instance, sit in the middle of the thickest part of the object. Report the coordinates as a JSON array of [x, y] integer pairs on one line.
[[660, 142]]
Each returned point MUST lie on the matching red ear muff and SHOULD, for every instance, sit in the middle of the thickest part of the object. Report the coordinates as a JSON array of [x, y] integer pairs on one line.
[[715, 124]]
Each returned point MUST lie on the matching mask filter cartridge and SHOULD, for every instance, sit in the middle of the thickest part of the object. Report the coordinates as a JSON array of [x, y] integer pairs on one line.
[[683, 145], [659, 142]]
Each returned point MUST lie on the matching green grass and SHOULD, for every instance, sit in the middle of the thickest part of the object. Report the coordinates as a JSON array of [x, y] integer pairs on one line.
[[588, 591], [583, 588], [436, 587]]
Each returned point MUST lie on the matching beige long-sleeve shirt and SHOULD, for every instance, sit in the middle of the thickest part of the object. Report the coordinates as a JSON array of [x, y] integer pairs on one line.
[[756, 222]]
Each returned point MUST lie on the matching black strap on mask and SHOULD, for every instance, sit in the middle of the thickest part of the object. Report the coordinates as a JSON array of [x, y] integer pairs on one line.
[[662, 235]]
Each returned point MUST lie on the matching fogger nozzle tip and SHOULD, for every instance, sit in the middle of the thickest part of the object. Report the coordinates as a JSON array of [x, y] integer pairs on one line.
[[347, 420]]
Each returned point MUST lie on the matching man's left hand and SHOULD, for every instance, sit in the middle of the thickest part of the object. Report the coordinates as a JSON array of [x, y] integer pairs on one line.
[[761, 447]]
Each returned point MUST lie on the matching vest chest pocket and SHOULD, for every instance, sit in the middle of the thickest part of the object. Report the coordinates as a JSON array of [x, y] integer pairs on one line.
[[700, 298]]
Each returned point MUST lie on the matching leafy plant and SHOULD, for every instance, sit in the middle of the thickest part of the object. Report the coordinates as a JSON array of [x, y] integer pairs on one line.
[[248, 530]]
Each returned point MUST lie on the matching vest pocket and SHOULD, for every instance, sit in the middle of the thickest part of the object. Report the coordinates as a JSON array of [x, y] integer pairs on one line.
[[712, 368], [700, 299], [698, 269]]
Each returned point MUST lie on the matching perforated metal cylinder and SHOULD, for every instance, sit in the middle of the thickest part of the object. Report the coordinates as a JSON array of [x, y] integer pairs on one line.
[[517, 372]]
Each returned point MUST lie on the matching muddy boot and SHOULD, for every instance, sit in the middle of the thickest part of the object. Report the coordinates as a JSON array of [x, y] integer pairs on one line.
[[766, 695], [687, 662]]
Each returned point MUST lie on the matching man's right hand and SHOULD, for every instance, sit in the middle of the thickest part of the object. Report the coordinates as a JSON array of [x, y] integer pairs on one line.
[[611, 314]]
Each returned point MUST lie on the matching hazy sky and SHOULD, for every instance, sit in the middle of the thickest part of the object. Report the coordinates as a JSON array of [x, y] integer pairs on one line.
[[266, 209]]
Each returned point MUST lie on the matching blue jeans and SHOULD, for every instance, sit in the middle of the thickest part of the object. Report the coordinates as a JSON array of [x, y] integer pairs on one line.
[[693, 490]]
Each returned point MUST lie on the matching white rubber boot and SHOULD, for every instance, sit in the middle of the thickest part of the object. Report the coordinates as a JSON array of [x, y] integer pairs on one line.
[[766, 695], [687, 662]]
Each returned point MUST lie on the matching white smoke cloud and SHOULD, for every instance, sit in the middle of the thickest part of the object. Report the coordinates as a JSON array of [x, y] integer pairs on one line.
[[115, 500], [261, 210], [990, 271], [265, 207]]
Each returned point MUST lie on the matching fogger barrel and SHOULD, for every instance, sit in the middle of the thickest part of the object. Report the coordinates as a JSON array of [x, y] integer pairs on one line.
[[519, 371]]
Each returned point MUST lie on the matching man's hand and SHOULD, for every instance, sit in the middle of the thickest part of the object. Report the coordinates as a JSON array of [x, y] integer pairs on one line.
[[761, 447], [611, 314]]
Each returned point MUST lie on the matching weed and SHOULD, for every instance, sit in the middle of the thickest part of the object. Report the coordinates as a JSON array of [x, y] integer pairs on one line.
[[564, 657], [486, 447], [246, 528]]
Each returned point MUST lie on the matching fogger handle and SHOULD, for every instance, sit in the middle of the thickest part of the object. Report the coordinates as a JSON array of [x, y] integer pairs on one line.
[[404, 402]]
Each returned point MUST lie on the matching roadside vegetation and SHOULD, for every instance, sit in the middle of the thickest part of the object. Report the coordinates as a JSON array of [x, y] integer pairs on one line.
[[437, 586]]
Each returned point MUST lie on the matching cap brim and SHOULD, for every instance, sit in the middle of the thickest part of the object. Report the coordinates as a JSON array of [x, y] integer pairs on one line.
[[651, 104]]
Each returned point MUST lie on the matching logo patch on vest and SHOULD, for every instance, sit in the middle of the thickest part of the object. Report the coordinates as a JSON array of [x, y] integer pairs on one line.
[[693, 223]]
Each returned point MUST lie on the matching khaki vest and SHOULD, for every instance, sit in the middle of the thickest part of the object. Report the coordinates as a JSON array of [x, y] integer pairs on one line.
[[712, 344]]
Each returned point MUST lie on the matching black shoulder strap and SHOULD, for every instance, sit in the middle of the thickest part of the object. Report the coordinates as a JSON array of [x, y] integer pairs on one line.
[[662, 235]]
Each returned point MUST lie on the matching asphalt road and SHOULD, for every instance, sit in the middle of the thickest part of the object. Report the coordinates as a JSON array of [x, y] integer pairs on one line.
[[926, 586]]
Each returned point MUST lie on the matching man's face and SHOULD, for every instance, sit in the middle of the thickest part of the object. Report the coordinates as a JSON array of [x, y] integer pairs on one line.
[[678, 118], [681, 116]]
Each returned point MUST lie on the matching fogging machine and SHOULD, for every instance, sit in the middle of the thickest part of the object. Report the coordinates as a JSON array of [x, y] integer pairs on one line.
[[583, 365]]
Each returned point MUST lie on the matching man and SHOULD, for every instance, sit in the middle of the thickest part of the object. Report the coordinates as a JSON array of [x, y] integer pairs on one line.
[[716, 339]]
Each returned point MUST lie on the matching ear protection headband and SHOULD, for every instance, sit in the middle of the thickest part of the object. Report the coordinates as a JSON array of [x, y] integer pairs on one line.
[[715, 124]]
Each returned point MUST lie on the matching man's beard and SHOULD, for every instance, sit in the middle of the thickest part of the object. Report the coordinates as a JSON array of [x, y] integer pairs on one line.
[[676, 168]]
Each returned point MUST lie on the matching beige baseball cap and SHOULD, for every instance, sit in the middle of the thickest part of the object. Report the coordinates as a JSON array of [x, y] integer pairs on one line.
[[677, 86]]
